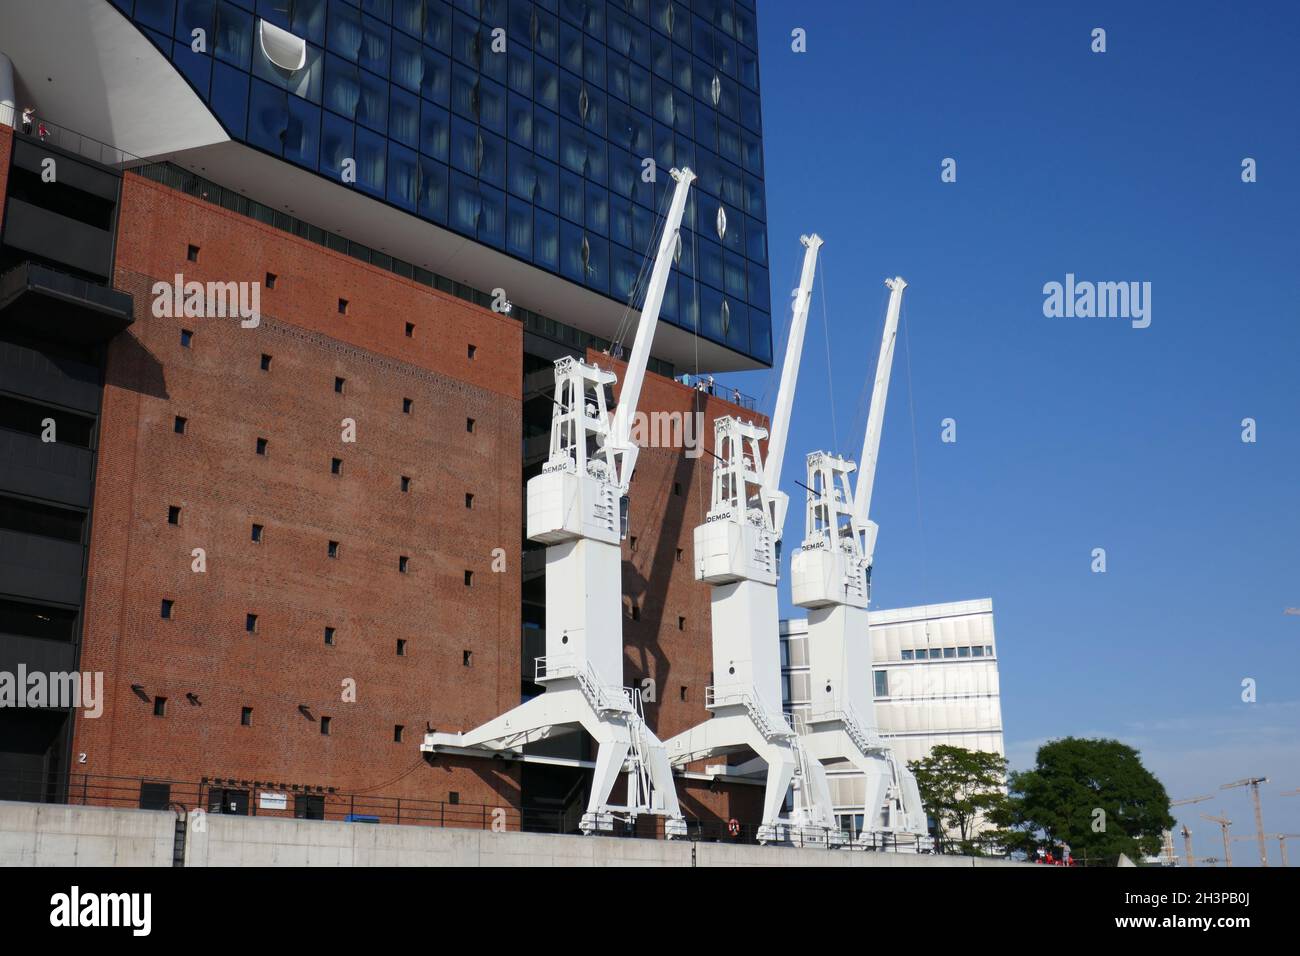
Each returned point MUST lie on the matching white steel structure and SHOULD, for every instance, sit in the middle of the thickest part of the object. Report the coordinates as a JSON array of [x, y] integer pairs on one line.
[[575, 507], [831, 578], [736, 552]]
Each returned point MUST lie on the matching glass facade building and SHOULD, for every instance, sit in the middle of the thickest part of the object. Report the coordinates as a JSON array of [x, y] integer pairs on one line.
[[544, 129]]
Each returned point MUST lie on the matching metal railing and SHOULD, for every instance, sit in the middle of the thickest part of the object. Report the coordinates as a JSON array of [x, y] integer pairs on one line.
[[707, 385], [71, 140]]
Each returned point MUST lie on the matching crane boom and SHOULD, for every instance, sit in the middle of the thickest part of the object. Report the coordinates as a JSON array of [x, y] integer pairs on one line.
[[876, 416], [780, 429], [621, 443]]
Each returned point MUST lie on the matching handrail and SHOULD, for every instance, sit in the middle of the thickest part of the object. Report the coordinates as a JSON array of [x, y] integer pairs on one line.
[[69, 139]]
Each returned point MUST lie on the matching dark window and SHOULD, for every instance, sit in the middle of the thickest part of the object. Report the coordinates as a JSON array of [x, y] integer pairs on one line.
[[397, 733], [401, 647], [32, 418], [469, 579], [47, 521], [224, 800], [406, 483], [308, 806], [186, 338], [407, 405], [402, 562], [246, 716], [453, 797], [173, 514], [410, 330], [336, 466], [325, 726], [155, 796], [343, 306], [329, 636], [466, 658], [677, 487], [192, 253], [471, 350], [167, 605], [469, 500], [257, 533], [681, 623], [469, 425], [679, 554], [636, 612], [250, 623], [266, 363], [338, 384], [683, 692], [179, 426], [270, 280], [631, 543], [261, 446], [334, 549], [160, 706], [38, 620]]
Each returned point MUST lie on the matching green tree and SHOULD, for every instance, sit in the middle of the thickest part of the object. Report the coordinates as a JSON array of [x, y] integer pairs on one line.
[[963, 790], [1093, 795]]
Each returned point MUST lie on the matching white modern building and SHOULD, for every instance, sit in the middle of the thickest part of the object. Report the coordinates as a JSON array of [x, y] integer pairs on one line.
[[935, 677]]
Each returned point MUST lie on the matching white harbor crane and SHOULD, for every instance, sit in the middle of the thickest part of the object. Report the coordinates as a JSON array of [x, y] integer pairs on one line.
[[831, 578], [577, 507], [736, 551]]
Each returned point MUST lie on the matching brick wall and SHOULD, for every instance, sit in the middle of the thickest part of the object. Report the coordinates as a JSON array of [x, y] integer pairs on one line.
[[288, 580], [6, 148]]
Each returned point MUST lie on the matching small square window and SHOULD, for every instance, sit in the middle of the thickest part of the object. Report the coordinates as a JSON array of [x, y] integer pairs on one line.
[[192, 252], [160, 706], [631, 543], [179, 426], [410, 330], [681, 623], [406, 484], [266, 362], [636, 612], [339, 382], [343, 306], [677, 488], [187, 337], [470, 350], [261, 446], [963, 652], [402, 563], [325, 726], [682, 692], [469, 425], [401, 647], [257, 534], [336, 466], [270, 280], [988, 650], [469, 500], [246, 716], [167, 605], [329, 636], [453, 797], [397, 733], [407, 405], [333, 549], [679, 554], [250, 623], [466, 658], [469, 579], [174, 514], [947, 652]]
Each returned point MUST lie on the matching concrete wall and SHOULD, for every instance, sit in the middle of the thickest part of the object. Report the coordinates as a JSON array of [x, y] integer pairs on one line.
[[45, 834]]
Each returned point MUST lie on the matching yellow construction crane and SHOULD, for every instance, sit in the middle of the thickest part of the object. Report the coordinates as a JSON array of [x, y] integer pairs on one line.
[[1223, 823], [1253, 783]]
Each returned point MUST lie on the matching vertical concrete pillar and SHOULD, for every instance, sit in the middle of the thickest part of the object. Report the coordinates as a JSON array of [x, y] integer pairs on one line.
[[8, 108]]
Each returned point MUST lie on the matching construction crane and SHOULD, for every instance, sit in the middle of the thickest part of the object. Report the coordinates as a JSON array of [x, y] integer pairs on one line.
[[736, 551], [1253, 783], [831, 577], [1188, 859], [1224, 823], [577, 507], [1187, 834], [1281, 842]]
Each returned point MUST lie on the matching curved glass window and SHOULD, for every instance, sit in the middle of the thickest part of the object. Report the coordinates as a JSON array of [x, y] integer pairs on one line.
[[234, 36], [433, 190], [435, 130], [302, 132], [404, 117], [372, 153]]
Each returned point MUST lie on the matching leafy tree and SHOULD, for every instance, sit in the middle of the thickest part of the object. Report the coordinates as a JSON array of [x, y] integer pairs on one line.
[[1093, 795], [962, 789]]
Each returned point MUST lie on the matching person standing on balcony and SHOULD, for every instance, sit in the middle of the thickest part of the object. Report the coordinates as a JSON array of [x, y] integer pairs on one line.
[[27, 120]]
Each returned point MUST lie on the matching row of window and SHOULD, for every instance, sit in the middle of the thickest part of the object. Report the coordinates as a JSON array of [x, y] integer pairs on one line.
[[246, 719], [947, 653]]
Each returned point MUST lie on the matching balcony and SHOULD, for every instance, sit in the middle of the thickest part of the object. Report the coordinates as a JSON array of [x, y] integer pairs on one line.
[[52, 304]]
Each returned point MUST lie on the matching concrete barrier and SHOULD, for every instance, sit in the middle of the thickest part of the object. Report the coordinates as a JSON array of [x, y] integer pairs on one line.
[[34, 834]]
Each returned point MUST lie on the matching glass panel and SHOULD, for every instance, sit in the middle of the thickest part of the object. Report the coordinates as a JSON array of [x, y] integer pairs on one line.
[[464, 148], [546, 133], [371, 157], [433, 190], [572, 189], [404, 116], [234, 38], [267, 117], [435, 84], [344, 30], [408, 62], [302, 134], [597, 210], [546, 240], [342, 90], [374, 45], [492, 164], [336, 144], [372, 106], [230, 98], [519, 125], [435, 130], [519, 228], [492, 216], [437, 25], [464, 203], [308, 20], [403, 178]]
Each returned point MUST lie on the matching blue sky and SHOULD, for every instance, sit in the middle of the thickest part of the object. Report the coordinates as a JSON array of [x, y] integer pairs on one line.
[[1072, 433]]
